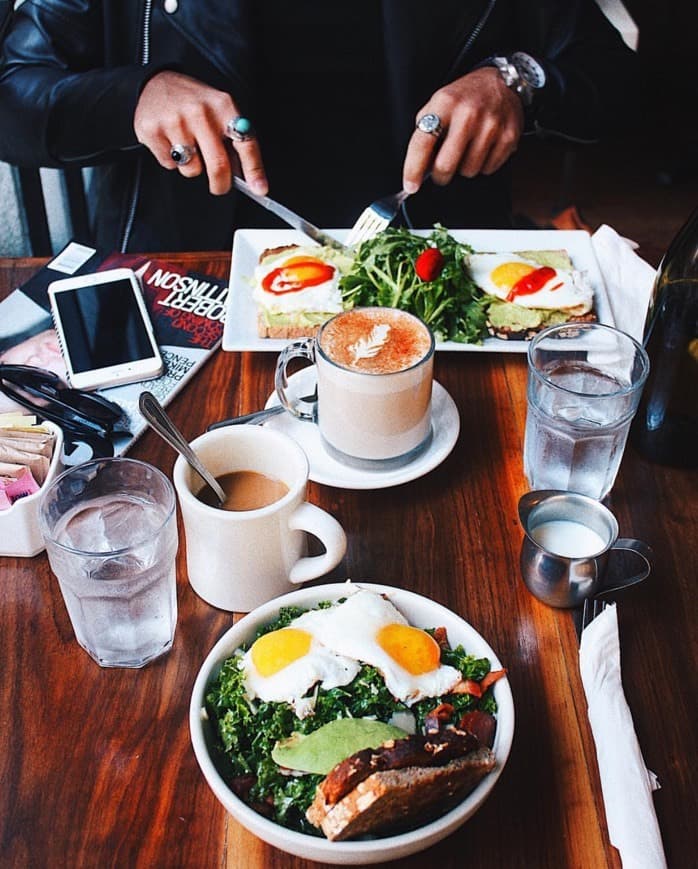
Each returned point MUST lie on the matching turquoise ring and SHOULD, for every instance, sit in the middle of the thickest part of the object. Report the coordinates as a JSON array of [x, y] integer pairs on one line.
[[240, 129]]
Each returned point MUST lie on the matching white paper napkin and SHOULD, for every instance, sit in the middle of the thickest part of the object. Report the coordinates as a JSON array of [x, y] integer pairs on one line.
[[626, 783], [628, 278]]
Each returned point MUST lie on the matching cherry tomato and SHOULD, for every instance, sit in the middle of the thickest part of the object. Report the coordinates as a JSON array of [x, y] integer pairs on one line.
[[429, 263]]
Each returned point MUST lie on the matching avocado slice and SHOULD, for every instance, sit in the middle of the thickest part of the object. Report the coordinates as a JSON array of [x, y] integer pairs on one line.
[[325, 747]]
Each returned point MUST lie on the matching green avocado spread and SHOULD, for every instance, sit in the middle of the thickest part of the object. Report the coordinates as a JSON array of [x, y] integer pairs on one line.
[[507, 315], [296, 318]]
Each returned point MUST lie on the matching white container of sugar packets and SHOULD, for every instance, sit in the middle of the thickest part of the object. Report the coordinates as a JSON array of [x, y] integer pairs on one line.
[[20, 534]]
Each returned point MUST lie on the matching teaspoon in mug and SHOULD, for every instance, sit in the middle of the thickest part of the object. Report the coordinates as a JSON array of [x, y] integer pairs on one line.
[[160, 422]]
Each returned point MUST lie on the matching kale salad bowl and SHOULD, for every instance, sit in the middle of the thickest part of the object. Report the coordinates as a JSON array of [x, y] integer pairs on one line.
[[292, 689]]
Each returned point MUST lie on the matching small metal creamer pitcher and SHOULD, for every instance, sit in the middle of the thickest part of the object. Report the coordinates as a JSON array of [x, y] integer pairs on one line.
[[558, 575]]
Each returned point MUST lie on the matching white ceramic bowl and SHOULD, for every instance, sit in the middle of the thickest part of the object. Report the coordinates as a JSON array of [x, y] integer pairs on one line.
[[419, 611], [20, 534]]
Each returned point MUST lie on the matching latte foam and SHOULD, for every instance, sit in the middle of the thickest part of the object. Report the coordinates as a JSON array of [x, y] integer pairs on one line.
[[375, 340]]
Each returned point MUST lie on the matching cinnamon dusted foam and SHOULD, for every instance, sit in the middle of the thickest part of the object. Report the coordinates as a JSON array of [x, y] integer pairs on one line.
[[375, 340]]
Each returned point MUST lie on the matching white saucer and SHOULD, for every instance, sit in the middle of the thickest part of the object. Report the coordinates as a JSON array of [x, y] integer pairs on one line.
[[327, 470]]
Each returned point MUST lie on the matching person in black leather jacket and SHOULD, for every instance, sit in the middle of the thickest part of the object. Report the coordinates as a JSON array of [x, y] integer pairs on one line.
[[334, 92]]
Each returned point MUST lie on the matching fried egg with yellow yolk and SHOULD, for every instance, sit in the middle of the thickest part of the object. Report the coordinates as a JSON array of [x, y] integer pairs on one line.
[[514, 278], [368, 628], [297, 279], [283, 665]]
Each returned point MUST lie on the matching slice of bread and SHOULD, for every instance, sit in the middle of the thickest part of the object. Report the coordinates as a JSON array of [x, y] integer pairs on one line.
[[301, 325], [522, 332], [290, 329], [399, 799]]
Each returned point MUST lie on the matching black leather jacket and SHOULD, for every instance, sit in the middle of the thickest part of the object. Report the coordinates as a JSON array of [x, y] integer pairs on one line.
[[71, 72]]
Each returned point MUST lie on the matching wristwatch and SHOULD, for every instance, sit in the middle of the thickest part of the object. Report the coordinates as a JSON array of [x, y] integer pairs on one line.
[[520, 72]]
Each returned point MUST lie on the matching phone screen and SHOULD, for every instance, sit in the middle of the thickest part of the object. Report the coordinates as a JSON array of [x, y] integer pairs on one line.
[[103, 326]]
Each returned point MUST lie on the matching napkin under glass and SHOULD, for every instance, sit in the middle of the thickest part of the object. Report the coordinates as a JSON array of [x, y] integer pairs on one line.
[[626, 783], [628, 278]]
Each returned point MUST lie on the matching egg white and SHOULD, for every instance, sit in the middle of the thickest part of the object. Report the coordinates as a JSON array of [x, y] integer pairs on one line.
[[350, 629], [568, 290], [325, 297], [319, 665]]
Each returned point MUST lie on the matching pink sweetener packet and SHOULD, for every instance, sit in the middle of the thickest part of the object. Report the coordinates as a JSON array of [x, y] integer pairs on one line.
[[20, 486]]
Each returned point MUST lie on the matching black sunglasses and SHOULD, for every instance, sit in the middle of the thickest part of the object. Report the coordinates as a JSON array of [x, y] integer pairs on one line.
[[74, 410]]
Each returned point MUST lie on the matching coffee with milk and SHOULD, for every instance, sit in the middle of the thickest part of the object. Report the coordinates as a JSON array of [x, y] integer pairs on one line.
[[374, 377], [244, 490]]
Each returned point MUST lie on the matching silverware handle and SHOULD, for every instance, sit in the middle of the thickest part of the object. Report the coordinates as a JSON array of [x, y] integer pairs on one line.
[[270, 204], [254, 417], [288, 216], [156, 417]]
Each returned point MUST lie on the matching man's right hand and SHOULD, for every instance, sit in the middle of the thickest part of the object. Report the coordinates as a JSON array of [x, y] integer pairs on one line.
[[174, 109]]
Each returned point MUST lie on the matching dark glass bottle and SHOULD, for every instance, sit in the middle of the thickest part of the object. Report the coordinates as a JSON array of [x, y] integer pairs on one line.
[[665, 429]]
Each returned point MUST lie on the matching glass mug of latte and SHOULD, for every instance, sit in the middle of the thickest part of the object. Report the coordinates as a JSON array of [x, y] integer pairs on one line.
[[374, 382]]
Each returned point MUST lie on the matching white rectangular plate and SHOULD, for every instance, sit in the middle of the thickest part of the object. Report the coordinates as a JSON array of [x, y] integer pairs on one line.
[[240, 332]]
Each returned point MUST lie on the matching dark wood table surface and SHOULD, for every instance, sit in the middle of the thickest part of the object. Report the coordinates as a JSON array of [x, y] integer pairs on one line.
[[97, 767]]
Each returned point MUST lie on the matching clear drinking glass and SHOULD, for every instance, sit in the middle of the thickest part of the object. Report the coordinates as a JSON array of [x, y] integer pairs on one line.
[[584, 385], [111, 537]]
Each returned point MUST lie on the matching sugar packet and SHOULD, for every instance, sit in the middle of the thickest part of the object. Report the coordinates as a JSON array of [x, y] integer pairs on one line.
[[26, 449]]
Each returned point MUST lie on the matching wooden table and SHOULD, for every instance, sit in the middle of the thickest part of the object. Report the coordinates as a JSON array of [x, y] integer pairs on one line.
[[96, 765]]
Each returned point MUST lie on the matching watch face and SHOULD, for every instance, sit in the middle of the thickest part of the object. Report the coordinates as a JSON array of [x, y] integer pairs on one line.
[[529, 69]]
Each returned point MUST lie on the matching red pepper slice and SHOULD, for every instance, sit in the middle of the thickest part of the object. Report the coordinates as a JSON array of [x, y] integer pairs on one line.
[[467, 686], [531, 283], [297, 274], [492, 677]]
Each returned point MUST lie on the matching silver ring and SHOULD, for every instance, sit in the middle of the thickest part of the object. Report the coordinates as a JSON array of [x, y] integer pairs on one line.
[[182, 154], [431, 124], [240, 129]]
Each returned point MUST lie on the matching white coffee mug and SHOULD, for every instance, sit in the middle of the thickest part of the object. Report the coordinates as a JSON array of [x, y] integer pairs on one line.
[[237, 560]]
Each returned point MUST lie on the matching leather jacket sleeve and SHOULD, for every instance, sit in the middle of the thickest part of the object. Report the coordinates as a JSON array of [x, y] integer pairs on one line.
[[69, 84], [589, 69], [59, 102]]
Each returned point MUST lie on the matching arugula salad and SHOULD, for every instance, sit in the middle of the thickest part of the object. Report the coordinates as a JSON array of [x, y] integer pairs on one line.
[[427, 276], [247, 730]]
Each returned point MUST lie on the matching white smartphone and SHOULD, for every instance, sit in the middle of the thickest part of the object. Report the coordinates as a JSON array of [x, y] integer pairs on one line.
[[104, 330]]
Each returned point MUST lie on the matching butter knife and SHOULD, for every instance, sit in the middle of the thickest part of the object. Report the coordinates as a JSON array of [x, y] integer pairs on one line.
[[290, 217]]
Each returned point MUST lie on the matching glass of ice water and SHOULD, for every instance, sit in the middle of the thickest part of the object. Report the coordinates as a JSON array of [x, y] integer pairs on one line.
[[584, 385], [110, 530]]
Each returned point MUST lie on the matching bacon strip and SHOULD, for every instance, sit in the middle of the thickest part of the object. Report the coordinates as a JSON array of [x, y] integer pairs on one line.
[[481, 724]]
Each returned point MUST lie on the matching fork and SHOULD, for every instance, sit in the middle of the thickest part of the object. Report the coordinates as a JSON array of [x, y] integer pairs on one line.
[[375, 218], [593, 607]]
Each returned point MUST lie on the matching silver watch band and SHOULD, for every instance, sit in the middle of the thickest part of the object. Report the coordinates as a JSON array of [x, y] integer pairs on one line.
[[521, 73]]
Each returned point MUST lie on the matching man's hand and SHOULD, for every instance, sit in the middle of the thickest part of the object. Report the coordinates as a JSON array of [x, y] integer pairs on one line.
[[482, 121], [174, 109]]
